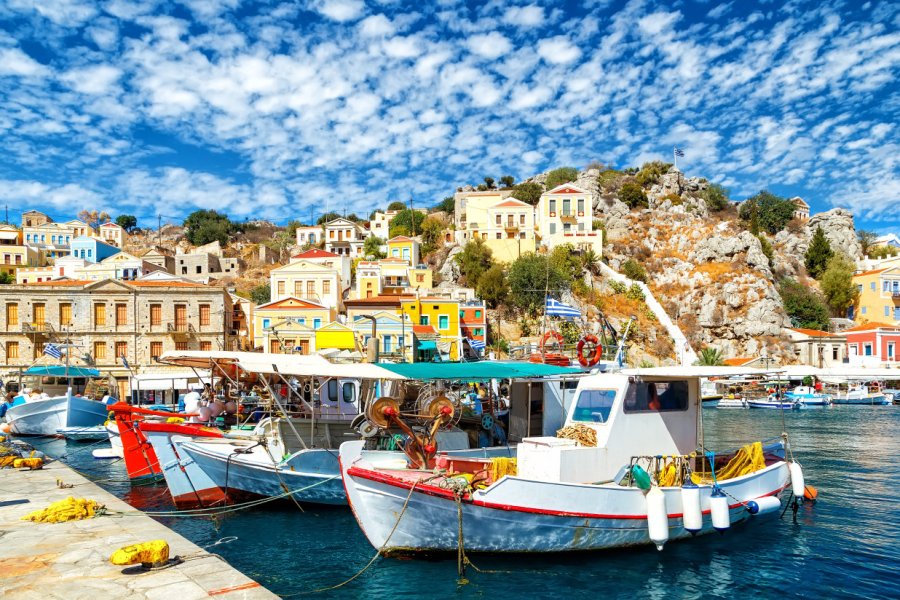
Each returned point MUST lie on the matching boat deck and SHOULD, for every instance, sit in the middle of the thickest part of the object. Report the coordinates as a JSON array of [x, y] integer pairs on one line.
[[71, 560]]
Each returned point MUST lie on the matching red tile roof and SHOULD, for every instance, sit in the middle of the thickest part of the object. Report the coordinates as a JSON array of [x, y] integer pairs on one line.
[[59, 283], [738, 362], [875, 272], [424, 329], [813, 332], [166, 284], [392, 300], [399, 238], [512, 202], [316, 253], [871, 326]]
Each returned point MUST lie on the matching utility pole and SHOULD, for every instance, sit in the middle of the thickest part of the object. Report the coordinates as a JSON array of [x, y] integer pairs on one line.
[[412, 216], [159, 230]]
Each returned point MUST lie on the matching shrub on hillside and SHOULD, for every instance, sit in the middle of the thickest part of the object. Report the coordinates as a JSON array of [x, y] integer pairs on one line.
[[650, 172], [561, 175], [473, 261], [632, 269], [715, 196], [771, 212], [633, 195], [205, 226], [528, 192], [805, 307]]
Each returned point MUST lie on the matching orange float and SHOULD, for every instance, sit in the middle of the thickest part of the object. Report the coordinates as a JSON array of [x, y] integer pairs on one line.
[[594, 357]]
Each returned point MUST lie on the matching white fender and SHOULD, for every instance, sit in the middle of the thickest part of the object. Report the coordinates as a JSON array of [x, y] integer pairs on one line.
[[692, 514], [798, 484], [718, 509], [657, 517], [764, 505]]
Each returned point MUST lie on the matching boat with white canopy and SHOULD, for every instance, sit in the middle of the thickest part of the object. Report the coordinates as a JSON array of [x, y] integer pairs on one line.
[[630, 467], [68, 411]]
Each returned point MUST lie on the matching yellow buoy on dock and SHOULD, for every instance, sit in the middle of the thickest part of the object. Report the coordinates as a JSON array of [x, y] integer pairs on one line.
[[151, 553]]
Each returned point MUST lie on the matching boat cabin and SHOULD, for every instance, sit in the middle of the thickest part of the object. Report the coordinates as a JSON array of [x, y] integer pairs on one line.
[[633, 413]]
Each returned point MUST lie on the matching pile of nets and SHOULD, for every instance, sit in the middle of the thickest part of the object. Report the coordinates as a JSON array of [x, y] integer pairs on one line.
[[17, 456], [70, 509], [584, 435], [748, 459]]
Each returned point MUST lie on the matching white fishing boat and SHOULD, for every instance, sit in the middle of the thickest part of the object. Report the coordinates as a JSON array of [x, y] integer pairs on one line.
[[772, 401], [65, 411], [732, 402], [710, 394], [807, 397], [633, 477], [858, 393]]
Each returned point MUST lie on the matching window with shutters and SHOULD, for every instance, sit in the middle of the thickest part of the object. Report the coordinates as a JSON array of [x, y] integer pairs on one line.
[[181, 345], [121, 314], [99, 350], [181, 317], [156, 349], [274, 346], [40, 313], [298, 289], [280, 288], [205, 346], [326, 287], [99, 315], [65, 313], [204, 314], [121, 349], [12, 315], [156, 314], [310, 289], [12, 350]]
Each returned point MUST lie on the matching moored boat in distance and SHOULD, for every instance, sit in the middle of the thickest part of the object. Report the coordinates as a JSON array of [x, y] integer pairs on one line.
[[627, 473], [861, 394], [807, 396], [772, 401]]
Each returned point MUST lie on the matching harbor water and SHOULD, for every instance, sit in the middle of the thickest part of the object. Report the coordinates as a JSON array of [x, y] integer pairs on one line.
[[843, 546]]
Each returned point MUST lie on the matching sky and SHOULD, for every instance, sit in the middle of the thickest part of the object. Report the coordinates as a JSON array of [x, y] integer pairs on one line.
[[285, 109]]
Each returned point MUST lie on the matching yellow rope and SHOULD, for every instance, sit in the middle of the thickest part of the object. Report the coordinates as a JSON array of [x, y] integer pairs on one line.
[[748, 459]]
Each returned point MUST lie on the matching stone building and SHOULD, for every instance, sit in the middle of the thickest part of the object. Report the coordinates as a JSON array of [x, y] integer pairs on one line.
[[106, 320], [202, 265]]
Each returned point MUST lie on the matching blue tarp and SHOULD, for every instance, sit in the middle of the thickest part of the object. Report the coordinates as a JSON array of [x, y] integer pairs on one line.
[[427, 345], [60, 371]]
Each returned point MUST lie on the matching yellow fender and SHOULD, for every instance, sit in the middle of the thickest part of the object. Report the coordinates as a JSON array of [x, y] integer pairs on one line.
[[153, 552]]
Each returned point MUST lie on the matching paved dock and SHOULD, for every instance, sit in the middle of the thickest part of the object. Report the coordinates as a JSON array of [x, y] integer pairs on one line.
[[71, 560]]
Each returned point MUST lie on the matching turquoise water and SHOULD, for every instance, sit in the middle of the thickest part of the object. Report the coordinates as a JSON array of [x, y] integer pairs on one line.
[[844, 546]]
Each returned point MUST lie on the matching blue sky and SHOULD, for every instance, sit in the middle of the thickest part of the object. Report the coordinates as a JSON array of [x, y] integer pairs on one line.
[[279, 109]]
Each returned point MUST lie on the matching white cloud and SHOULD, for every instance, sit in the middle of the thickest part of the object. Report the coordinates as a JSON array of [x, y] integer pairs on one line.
[[489, 45], [96, 80], [26, 193], [15, 62], [376, 26], [402, 47], [558, 50], [341, 10], [530, 98], [659, 22], [524, 16]]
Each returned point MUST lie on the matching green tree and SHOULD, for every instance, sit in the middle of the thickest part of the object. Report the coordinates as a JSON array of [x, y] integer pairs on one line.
[[633, 195], [632, 269], [432, 234], [866, 240], [564, 258], [93, 218], [715, 196], [507, 181], [6, 278], [767, 249], [489, 183], [396, 205], [805, 307], [126, 222], [261, 294], [406, 222], [772, 211], [837, 284], [531, 277], [473, 261], [493, 287], [528, 192], [205, 226], [590, 262], [281, 241], [292, 226], [818, 254], [710, 357], [328, 217], [561, 175], [651, 172], [447, 205], [372, 247]]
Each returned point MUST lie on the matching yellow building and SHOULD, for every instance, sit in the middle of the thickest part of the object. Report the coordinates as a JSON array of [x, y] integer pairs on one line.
[[15, 254], [441, 316], [335, 336], [404, 248], [565, 215], [289, 325], [308, 280], [879, 296], [368, 279], [504, 224]]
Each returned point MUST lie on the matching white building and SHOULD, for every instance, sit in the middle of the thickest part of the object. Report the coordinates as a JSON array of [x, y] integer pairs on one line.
[[345, 237], [564, 215]]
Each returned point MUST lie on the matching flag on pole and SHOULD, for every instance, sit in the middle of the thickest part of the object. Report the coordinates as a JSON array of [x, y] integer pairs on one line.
[[555, 308], [679, 152], [125, 362], [477, 344], [52, 350]]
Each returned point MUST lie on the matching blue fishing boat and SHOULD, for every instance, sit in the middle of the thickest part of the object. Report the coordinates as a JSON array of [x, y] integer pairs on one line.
[[807, 396]]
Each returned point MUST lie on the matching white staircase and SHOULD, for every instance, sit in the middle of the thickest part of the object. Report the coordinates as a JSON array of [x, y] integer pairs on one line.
[[683, 349]]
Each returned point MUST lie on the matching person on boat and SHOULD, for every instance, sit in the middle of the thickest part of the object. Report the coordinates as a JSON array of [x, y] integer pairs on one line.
[[192, 403], [652, 397], [7, 401]]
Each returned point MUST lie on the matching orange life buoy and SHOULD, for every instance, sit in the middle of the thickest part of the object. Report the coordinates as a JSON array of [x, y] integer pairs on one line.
[[555, 335], [594, 357]]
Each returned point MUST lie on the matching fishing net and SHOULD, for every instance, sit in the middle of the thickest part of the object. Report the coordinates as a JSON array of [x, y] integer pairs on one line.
[[584, 435]]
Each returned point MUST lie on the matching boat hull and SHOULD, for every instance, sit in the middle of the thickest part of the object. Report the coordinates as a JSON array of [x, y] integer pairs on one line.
[[876, 400], [44, 417], [518, 515], [775, 405], [312, 475]]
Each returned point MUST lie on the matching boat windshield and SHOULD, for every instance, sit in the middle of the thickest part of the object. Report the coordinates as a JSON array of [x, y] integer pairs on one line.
[[593, 406]]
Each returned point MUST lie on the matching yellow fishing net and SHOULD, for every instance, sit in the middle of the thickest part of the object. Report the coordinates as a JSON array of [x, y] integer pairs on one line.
[[667, 475], [70, 509], [501, 466], [584, 435], [748, 459]]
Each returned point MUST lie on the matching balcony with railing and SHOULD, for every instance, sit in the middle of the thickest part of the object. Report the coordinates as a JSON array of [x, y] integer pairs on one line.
[[38, 328]]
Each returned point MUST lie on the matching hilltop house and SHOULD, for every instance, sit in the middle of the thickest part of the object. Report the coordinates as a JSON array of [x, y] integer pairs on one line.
[[565, 216], [113, 234], [504, 224], [345, 237], [801, 209], [879, 296]]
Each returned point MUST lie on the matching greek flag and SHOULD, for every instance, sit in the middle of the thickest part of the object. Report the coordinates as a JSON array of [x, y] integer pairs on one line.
[[52, 350], [679, 152], [555, 308], [476, 344], [124, 362]]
